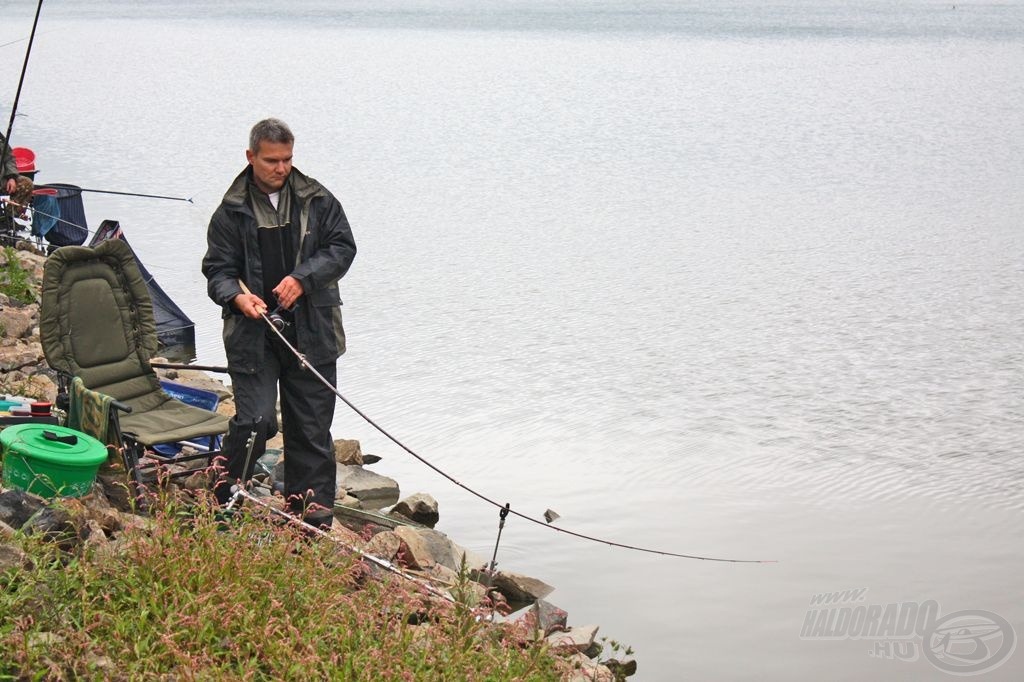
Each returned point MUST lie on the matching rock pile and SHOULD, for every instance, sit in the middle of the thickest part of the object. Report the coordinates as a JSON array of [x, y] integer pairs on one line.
[[22, 368]]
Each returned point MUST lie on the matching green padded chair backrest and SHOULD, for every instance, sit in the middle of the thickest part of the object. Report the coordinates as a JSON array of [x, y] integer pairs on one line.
[[96, 321]]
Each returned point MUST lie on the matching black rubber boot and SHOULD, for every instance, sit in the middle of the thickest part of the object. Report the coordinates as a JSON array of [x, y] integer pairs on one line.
[[312, 514], [239, 456], [321, 520]]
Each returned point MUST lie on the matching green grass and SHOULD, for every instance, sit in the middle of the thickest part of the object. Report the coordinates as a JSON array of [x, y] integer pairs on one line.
[[193, 598], [14, 280]]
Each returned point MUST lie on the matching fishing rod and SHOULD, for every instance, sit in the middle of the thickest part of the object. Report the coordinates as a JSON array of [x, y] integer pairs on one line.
[[8, 200], [24, 67], [239, 494], [306, 365], [136, 194], [179, 365]]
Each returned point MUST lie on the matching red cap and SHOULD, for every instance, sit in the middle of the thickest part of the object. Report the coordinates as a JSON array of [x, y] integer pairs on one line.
[[25, 159]]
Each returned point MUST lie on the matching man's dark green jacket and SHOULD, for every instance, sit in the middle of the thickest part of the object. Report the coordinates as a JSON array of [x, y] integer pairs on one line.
[[8, 166], [326, 250]]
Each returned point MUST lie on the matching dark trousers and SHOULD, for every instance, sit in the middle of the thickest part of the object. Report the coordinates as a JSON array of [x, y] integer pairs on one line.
[[307, 410]]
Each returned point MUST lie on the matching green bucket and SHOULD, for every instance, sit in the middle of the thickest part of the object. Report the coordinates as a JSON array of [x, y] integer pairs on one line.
[[50, 460]]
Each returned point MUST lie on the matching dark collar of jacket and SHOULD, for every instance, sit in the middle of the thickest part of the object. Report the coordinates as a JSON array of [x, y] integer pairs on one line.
[[303, 187], [304, 191]]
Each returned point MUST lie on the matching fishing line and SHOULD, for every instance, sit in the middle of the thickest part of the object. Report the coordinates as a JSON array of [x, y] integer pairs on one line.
[[371, 422], [21, 40]]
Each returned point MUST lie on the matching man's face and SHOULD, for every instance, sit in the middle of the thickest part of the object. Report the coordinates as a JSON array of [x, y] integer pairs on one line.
[[271, 164]]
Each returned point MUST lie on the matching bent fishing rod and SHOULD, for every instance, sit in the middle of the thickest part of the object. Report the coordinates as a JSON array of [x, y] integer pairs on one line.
[[6, 144], [135, 194], [240, 494], [277, 328]]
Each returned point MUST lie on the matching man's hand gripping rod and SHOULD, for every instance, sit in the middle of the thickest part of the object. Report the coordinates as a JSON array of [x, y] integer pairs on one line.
[[302, 358]]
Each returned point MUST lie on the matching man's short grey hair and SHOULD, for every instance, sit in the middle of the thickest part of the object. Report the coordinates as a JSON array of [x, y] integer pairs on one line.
[[270, 130]]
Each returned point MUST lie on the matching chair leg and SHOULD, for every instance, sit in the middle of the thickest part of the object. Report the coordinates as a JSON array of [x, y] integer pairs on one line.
[[132, 454], [244, 443], [213, 449]]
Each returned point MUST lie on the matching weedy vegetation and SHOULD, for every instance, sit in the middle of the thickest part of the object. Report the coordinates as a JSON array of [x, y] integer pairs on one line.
[[194, 596], [14, 280]]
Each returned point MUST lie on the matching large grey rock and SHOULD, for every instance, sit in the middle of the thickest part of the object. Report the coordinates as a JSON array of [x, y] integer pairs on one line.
[[112, 482], [98, 509], [384, 545], [463, 591], [347, 500], [583, 669], [468, 592], [421, 508], [18, 506], [434, 547], [348, 452], [56, 525], [16, 322], [12, 558], [548, 617], [32, 263], [577, 639], [414, 551], [20, 355], [40, 386], [372, 490], [96, 535], [194, 378], [520, 588], [622, 666]]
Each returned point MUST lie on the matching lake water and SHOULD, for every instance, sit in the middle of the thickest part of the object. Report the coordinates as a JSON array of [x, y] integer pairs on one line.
[[730, 279]]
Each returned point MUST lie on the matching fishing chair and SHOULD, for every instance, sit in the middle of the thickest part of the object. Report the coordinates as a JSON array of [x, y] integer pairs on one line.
[[96, 325]]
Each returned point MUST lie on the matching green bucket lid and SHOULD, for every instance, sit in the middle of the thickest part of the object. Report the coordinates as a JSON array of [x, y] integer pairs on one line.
[[54, 444]]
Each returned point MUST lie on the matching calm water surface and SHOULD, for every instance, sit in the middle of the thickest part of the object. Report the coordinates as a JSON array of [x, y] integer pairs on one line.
[[715, 278]]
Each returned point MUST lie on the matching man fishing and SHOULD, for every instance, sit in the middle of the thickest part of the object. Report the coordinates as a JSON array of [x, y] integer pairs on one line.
[[276, 247], [8, 168]]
